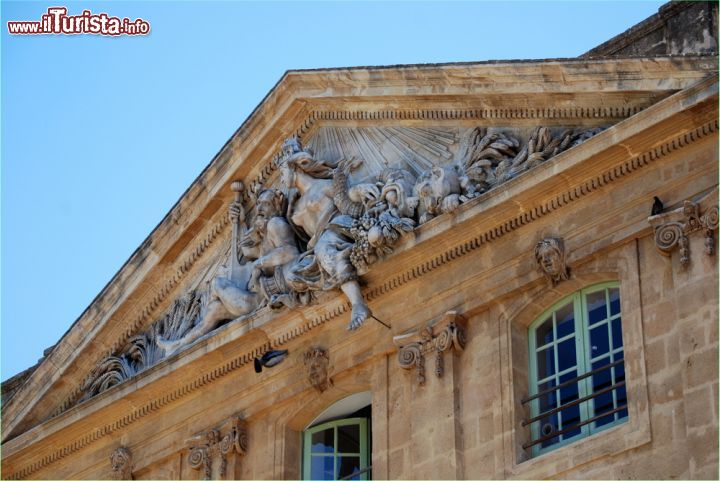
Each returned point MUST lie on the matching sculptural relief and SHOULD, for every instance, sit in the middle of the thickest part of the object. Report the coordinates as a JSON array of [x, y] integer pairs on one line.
[[673, 228], [550, 260], [316, 363], [121, 463], [447, 334], [206, 446], [328, 218], [268, 248], [438, 191]]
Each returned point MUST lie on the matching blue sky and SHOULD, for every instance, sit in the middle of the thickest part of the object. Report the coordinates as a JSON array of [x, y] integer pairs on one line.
[[100, 136]]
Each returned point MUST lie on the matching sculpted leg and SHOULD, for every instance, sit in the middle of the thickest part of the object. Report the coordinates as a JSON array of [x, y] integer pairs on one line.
[[227, 302], [236, 300], [360, 310]]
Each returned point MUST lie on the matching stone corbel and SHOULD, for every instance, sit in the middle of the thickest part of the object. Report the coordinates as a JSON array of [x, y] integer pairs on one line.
[[446, 334], [209, 445], [673, 228]]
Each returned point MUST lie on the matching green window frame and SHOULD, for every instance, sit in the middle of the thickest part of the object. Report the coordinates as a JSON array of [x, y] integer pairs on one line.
[[317, 458], [579, 334]]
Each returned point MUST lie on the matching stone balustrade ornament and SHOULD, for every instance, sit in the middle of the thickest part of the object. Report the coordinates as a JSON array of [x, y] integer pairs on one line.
[[673, 228], [323, 223], [206, 446], [447, 334]]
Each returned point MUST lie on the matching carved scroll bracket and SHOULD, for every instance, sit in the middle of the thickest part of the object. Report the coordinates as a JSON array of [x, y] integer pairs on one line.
[[444, 335], [673, 228], [206, 446]]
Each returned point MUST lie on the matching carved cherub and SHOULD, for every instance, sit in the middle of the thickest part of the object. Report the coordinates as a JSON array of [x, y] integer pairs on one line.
[[397, 188], [438, 190]]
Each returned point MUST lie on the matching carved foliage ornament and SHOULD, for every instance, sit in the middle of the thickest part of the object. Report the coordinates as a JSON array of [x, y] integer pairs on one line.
[[551, 261], [673, 228], [206, 446], [121, 463], [446, 334], [316, 362]]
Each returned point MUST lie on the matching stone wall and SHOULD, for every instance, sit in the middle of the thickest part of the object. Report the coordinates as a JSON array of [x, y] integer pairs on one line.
[[466, 424]]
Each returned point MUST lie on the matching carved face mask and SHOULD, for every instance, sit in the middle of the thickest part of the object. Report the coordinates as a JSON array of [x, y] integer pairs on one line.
[[550, 260]]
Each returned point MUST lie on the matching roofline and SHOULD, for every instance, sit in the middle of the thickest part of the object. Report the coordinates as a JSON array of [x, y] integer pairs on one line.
[[247, 123]]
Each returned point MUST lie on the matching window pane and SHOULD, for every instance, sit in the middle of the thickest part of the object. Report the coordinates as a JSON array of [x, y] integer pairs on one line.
[[619, 372], [599, 342], [548, 426], [571, 416], [322, 467], [348, 465], [596, 307], [622, 414], [614, 301], [349, 439], [565, 319], [544, 333], [621, 400], [549, 400], [621, 396], [616, 333], [602, 379], [602, 404], [322, 441], [568, 393], [566, 354], [546, 363]]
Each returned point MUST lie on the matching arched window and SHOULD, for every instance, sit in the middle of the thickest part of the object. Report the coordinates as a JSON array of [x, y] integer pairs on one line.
[[339, 448], [577, 373]]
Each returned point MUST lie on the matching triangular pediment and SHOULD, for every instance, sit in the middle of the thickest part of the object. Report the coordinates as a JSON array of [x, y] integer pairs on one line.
[[496, 128]]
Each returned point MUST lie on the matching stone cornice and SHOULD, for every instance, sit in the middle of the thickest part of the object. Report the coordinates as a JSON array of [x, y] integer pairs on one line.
[[123, 307], [616, 153]]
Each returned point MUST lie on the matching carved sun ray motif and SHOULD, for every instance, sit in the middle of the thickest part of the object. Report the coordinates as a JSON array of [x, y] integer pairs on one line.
[[414, 148]]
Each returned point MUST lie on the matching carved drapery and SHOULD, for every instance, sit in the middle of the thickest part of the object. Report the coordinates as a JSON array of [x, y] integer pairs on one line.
[[207, 446], [673, 228], [446, 334]]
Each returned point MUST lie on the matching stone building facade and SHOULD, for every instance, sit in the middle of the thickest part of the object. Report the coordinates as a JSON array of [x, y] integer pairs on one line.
[[463, 271]]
